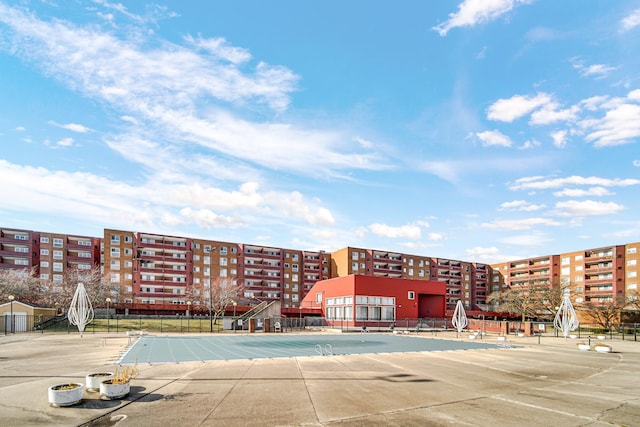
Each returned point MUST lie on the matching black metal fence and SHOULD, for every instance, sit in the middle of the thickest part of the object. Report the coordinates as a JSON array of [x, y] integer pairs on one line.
[[20, 323]]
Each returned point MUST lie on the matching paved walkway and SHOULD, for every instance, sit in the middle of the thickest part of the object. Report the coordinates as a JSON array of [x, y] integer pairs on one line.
[[551, 383]]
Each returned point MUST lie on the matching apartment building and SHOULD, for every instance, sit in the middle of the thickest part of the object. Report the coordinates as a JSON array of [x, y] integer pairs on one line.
[[50, 255], [19, 249], [159, 272], [597, 276]]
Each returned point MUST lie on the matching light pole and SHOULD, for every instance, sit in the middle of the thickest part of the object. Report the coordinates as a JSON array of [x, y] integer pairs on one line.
[[235, 304], [13, 329], [188, 314], [108, 300]]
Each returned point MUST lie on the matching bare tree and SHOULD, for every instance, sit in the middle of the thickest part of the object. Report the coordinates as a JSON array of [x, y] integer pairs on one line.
[[537, 302], [607, 315], [23, 285], [26, 287], [221, 293]]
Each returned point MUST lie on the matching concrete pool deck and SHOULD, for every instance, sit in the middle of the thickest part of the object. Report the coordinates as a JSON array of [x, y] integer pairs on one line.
[[551, 383]]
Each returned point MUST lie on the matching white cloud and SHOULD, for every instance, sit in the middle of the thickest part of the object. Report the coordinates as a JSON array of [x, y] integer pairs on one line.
[[520, 224], [473, 12], [526, 240], [630, 21], [520, 205], [405, 231], [594, 103], [20, 129], [220, 49], [65, 142], [636, 163], [597, 71], [550, 114], [529, 144], [586, 208], [74, 127], [634, 95], [436, 236], [153, 202], [510, 109], [494, 137], [577, 192], [559, 138], [179, 93], [619, 126], [542, 183]]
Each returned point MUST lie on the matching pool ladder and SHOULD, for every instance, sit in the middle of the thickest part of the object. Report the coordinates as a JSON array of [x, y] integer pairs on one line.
[[327, 351]]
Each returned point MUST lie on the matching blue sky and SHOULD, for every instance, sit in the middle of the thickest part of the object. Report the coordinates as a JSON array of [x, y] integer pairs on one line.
[[479, 130]]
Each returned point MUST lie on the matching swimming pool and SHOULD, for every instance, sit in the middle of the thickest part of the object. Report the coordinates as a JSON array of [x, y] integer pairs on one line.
[[175, 349]]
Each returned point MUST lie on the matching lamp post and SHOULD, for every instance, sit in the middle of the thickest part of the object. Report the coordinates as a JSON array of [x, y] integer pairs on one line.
[[108, 300], [188, 314], [12, 323], [235, 304]]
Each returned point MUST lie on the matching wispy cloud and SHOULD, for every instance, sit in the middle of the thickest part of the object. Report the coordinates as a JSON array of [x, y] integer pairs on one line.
[[520, 205], [578, 192], [141, 85], [154, 202], [74, 127], [574, 208], [474, 12], [410, 231], [559, 138], [630, 21], [543, 183], [521, 224], [597, 71], [494, 138]]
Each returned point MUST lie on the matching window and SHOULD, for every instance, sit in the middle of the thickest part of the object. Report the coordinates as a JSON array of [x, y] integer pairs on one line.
[[21, 261], [319, 297], [632, 274], [354, 265], [631, 262], [115, 252], [565, 261], [578, 257], [84, 242], [57, 243], [44, 240], [44, 264], [57, 254], [631, 250], [115, 239], [44, 252], [21, 237], [57, 266], [223, 261], [411, 295], [22, 249]]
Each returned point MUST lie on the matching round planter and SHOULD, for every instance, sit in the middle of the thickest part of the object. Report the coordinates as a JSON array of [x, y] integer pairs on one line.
[[584, 347], [92, 381], [603, 349], [602, 337], [65, 394], [114, 391]]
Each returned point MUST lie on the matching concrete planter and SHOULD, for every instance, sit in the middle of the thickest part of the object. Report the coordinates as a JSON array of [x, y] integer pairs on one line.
[[602, 348], [93, 381], [65, 394], [584, 347], [114, 391]]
